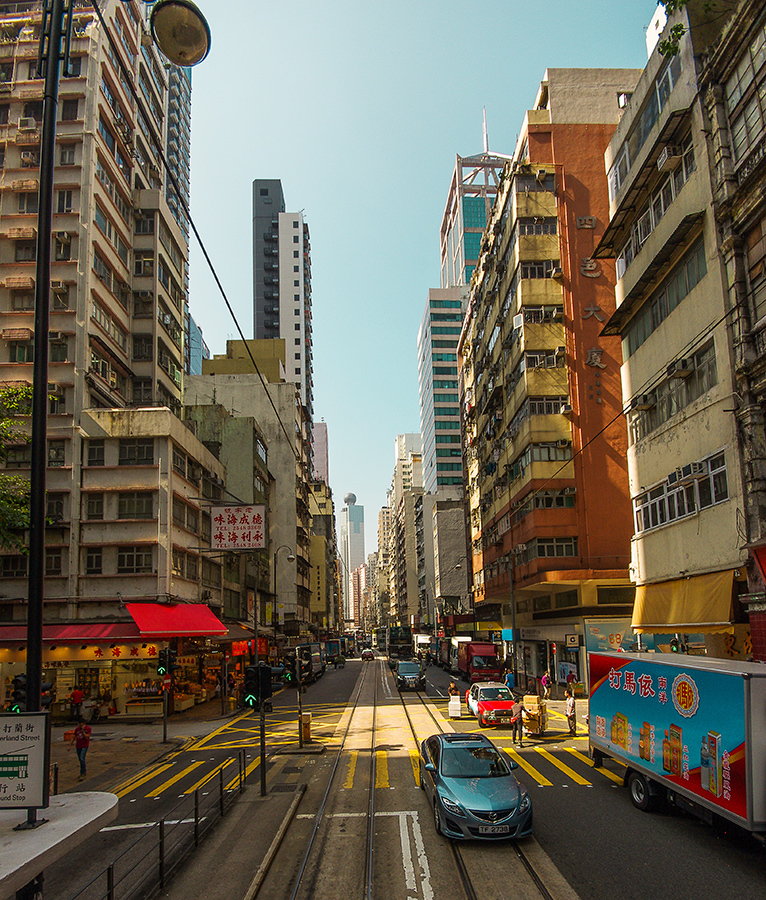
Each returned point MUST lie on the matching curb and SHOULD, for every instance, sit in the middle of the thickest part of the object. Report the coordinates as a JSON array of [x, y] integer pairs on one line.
[[264, 867]]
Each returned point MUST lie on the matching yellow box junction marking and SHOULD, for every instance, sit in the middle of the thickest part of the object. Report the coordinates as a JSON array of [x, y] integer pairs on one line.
[[560, 765], [137, 782], [530, 769], [602, 771], [381, 769], [171, 781]]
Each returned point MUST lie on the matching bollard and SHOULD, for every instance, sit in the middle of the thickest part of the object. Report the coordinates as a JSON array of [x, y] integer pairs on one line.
[[306, 726], [232, 703]]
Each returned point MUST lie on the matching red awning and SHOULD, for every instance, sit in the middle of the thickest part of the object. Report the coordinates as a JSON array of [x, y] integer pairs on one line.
[[160, 621], [76, 632]]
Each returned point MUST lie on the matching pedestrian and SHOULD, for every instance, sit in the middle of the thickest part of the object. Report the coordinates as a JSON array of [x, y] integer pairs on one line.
[[510, 682], [517, 722], [231, 683], [571, 716], [218, 687], [452, 690], [75, 699], [81, 740], [545, 684]]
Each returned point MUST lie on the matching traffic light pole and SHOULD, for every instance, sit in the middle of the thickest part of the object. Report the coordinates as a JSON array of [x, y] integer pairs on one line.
[[263, 746], [299, 671]]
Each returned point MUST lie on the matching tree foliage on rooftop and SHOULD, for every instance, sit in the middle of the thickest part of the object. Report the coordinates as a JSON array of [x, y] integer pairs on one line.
[[711, 10], [15, 400]]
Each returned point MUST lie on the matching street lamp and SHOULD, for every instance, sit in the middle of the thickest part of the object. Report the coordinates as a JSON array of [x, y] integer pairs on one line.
[[290, 558]]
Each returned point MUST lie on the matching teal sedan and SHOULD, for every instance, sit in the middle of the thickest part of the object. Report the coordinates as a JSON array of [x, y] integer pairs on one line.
[[472, 789]]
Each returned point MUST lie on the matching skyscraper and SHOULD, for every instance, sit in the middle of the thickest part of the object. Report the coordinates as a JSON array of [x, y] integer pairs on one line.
[[351, 548], [282, 283]]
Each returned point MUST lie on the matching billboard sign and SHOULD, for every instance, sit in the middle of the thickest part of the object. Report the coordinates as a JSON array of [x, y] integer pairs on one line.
[[24, 762], [238, 527]]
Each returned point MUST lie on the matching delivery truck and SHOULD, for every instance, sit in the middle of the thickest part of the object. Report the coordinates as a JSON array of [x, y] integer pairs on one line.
[[478, 661], [689, 729], [454, 653]]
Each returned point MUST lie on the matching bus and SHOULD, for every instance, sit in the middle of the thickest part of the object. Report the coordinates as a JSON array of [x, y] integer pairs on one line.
[[379, 639], [398, 643]]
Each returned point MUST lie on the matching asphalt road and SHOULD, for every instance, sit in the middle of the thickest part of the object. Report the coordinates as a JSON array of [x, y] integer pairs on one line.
[[584, 820]]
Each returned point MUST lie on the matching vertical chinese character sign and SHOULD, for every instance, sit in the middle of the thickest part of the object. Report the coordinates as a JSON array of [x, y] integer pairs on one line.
[[24, 747], [239, 527]]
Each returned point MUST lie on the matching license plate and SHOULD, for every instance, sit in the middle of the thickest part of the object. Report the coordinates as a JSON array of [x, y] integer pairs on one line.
[[494, 829]]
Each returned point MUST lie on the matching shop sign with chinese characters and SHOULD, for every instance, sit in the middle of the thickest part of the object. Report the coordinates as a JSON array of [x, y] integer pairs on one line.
[[239, 527], [24, 762]]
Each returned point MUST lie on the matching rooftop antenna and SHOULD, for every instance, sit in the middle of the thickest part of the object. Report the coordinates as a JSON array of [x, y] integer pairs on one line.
[[486, 139]]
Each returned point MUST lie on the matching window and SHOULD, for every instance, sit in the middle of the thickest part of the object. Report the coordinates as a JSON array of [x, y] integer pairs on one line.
[[136, 452], [14, 566], [143, 262], [28, 203], [69, 110], [143, 347], [54, 507], [56, 452], [134, 560], [21, 351], [64, 202], [93, 561], [135, 505], [62, 250], [94, 506], [58, 350], [66, 154], [96, 452], [53, 562], [26, 251], [75, 67]]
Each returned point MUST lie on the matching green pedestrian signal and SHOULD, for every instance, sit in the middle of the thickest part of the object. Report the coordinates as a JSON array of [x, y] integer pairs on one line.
[[19, 704], [251, 686], [163, 663]]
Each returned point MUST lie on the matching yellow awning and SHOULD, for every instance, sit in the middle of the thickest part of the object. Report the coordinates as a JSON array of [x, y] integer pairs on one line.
[[700, 604]]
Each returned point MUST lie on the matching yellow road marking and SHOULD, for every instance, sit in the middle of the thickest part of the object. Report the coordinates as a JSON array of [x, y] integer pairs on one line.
[[210, 775], [560, 765], [229, 725], [530, 769], [602, 771], [128, 783], [349, 782], [142, 780], [381, 769], [166, 784], [234, 783], [415, 760]]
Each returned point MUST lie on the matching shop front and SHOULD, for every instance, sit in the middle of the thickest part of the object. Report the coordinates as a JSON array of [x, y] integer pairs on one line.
[[113, 665], [557, 650]]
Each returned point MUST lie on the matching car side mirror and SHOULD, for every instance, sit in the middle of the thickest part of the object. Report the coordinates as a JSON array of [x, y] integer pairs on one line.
[[513, 764], [430, 767]]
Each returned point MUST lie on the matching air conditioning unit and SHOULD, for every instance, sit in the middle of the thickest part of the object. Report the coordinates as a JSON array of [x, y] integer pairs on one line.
[[166, 318], [177, 377], [669, 158], [56, 336], [27, 156], [540, 175], [27, 123], [518, 320], [680, 368], [563, 442], [557, 315], [642, 402], [63, 237], [561, 350], [569, 491], [556, 273], [685, 474], [700, 469], [58, 287], [674, 477], [566, 409]]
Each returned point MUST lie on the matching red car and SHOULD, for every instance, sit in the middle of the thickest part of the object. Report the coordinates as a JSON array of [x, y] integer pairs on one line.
[[368, 654], [491, 703]]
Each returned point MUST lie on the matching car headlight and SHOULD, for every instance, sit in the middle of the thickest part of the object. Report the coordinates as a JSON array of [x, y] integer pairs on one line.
[[451, 807], [525, 804]]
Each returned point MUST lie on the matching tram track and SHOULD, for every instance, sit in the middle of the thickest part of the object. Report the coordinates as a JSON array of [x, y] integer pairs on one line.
[[457, 851]]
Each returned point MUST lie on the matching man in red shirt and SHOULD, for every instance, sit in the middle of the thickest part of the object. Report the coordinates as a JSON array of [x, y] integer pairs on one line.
[[81, 740], [76, 698]]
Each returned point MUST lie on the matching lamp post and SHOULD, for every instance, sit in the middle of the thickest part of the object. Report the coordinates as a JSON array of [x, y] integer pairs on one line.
[[290, 558], [183, 36]]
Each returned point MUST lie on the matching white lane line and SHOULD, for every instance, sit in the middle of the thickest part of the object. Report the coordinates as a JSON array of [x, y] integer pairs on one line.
[[409, 869], [150, 824], [425, 872]]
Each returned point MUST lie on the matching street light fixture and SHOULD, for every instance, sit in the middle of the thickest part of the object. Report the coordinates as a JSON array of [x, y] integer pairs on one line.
[[290, 558], [180, 31]]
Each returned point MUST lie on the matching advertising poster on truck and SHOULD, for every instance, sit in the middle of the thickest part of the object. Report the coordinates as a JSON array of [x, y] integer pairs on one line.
[[687, 724]]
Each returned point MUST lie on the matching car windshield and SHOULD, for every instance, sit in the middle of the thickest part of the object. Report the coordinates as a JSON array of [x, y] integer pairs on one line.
[[473, 762], [409, 668], [482, 662], [498, 693]]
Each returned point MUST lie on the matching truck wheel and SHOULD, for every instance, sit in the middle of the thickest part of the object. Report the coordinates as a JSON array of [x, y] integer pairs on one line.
[[639, 792]]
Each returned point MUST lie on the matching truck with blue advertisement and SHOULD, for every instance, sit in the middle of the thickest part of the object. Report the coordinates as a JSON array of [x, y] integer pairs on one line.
[[690, 730]]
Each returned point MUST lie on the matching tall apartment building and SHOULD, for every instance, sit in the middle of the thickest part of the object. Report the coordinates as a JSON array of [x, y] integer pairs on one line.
[[406, 488], [546, 445], [119, 257], [351, 550], [437, 341], [383, 567], [325, 612], [282, 283], [683, 170]]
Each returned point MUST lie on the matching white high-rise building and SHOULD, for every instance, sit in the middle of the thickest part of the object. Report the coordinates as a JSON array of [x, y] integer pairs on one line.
[[351, 548]]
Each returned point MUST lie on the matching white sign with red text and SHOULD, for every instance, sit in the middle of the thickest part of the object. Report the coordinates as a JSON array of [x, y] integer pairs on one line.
[[239, 527]]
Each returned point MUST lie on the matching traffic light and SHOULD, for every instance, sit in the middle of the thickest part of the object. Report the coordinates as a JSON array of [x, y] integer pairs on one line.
[[291, 670], [251, 686], [264, 680], [173, 666], [19, 694], [163, 663], [676, 645]]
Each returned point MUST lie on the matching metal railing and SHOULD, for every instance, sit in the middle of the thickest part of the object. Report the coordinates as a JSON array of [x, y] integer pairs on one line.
[[144, 867]]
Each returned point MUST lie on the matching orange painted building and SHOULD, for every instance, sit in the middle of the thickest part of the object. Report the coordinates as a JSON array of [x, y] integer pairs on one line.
[[545, 436]]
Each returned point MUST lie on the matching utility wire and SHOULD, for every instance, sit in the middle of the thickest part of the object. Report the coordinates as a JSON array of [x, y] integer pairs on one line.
[[180, 198]]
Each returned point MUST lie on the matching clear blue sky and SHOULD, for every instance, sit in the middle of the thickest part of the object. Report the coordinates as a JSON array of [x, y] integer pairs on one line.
[[360, 109]]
